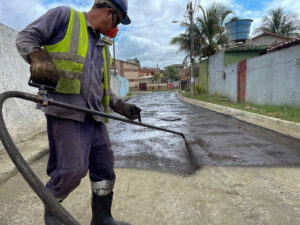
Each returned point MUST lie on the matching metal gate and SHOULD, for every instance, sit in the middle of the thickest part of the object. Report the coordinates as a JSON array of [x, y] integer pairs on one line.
[[143, 86], [241, 95]]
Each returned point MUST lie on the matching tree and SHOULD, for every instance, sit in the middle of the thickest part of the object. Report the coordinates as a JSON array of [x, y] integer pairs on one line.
[[171, 73], [184, 41], [209, 32], [212, 28], [156, 77], [279, 22]]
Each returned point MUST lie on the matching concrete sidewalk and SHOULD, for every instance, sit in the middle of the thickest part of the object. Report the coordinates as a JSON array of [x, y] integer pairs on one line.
[[212, 196], [281, 126], [32, 150]]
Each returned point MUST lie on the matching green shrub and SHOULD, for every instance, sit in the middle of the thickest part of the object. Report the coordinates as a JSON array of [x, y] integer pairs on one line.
[[200, 90], [187, 89]]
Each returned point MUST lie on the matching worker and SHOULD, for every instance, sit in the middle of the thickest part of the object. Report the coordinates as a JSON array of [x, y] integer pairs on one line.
[[65, 50]]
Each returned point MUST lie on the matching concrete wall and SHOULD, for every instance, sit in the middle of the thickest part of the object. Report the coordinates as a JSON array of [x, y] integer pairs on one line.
[[231, 81], [21, 117], [114, 85], [152, 87], [222, 80], [204, 75], [271, 79], [238, 56], [274, 79], [124, 86], [216, 72]]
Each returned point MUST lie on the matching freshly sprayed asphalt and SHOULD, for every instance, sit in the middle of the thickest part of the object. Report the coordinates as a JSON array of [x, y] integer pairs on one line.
[[236, 173]]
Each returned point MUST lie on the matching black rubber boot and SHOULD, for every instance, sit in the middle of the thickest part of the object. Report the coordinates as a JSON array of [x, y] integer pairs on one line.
[[101, 209], [50, 219]]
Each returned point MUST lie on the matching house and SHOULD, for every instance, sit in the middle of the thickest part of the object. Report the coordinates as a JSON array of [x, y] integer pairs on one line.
[[146, 79], [253, 48], [149, 73], [145, 71], [269, 39], [130, 71]]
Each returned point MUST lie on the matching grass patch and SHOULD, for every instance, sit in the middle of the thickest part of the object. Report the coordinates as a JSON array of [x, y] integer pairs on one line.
[[281, 112]]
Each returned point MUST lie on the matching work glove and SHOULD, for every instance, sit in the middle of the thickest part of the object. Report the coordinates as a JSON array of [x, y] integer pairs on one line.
[[130, 111], [42, 69]]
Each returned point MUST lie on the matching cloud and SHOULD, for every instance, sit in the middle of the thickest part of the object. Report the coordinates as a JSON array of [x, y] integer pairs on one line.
[[149, 35], [17, 14]]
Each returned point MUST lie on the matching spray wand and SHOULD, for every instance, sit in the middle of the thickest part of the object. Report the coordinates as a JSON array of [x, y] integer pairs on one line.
[[34, 182]]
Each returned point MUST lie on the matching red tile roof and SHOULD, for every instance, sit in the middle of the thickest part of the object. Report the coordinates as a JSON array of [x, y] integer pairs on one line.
[[283, 45]]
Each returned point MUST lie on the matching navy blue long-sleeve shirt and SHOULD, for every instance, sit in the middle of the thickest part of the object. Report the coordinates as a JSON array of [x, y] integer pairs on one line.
[[50, 29]]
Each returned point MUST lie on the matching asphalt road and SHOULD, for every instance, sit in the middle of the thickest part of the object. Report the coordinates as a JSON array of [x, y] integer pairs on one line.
[[215, 139], [236, 174]]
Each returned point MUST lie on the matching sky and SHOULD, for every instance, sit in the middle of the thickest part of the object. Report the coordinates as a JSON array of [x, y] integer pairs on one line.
[[149, 35]]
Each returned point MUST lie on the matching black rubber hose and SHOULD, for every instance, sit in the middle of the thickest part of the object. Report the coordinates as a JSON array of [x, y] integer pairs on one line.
[[46, 196], [39, 188]]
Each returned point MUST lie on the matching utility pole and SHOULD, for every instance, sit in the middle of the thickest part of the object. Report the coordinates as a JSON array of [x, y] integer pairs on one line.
[[191, 12]]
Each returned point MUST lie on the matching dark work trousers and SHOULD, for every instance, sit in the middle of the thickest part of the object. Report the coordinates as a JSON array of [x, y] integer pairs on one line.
[[75, 148]]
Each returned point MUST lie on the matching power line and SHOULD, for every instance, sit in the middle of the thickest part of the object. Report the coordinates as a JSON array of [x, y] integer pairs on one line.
[[197, 10], [149, 25]]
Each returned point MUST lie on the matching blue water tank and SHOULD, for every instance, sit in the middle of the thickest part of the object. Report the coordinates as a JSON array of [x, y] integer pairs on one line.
[[238, 30]]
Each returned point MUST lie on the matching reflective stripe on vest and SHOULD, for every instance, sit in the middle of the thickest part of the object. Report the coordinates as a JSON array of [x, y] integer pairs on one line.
[[69, 56], [106, 81]]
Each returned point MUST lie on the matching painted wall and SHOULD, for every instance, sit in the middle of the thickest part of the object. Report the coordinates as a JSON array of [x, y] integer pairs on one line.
[[271, 79], [274, 79], [238, 56], [22, 118], [124, 86], [204, 75], [114, 85], [231, 81], [216, 72]]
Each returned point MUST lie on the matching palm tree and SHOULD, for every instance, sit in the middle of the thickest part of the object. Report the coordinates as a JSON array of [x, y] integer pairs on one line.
[[209, 32], [212, 28], [280, 23], [184, 40]]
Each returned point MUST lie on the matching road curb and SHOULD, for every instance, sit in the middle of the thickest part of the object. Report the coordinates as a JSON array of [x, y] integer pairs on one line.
[[281, 126]]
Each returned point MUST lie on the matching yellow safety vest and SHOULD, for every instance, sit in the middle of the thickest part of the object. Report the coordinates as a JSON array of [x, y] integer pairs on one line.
[[69, 56]]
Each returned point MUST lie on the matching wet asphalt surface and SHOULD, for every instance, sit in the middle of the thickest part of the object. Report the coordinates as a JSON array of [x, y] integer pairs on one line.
[[214, 139]]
